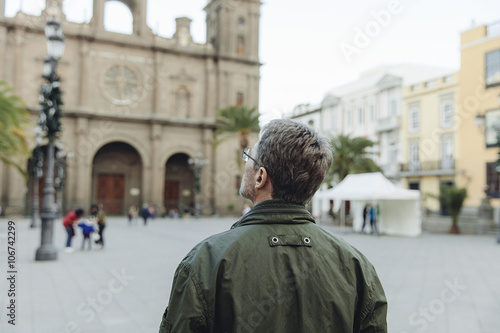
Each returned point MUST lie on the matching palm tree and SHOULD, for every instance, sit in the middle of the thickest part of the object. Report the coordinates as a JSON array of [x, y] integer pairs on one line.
[[13, 118], [239, 120], [452, 198], [349, 156]]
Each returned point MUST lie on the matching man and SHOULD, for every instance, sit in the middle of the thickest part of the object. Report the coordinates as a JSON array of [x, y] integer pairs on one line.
[[275, 270]]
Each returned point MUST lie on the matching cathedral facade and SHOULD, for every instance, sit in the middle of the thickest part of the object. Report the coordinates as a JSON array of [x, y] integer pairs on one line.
[[137, 107]]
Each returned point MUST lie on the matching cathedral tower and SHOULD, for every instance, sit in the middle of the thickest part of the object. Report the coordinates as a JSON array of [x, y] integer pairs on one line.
[[233, 28]]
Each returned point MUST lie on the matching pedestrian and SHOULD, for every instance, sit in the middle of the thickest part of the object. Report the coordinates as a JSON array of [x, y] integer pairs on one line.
[[69, 221], [275, 270], [366, 211], [132, 214], [145, 213], [373, 220], [100, 216], [152, 212], [89, 226]]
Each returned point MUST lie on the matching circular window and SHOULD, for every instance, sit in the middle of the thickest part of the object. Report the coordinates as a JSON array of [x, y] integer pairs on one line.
[[121, 85]]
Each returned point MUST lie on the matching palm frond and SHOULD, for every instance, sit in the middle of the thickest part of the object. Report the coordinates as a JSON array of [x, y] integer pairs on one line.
[[239, 120], [14, 119]]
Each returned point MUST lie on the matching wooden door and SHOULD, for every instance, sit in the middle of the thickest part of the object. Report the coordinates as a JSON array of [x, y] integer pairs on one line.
[[111, 192], [171, 195]]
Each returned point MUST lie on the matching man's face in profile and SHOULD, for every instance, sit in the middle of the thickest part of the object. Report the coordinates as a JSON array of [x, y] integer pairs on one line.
[[247, 187]]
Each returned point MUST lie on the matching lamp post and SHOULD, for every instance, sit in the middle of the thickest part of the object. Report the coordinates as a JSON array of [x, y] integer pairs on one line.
[[37, 172], [60, 176], [197, 163], [50, 114]]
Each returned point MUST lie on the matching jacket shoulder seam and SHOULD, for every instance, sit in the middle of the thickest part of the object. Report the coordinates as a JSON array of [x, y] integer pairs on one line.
[[199, 292], [370, 304]]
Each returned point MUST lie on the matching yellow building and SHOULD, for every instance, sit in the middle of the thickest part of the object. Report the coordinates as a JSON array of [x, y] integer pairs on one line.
[[429, 135], [479, 98]]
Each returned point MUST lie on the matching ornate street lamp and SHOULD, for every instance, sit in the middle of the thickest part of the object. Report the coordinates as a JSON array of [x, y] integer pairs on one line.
[[37, 172], [50, 114], [60, 176], [197, 163]]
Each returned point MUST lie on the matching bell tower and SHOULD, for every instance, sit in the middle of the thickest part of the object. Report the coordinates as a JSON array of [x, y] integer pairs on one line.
[[137, 8], [233, 28]]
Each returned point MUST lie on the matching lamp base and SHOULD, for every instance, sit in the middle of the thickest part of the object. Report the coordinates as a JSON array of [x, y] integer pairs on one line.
[[45, 253]]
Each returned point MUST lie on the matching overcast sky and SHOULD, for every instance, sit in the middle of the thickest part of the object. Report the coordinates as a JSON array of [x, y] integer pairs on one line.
[[309, 47]]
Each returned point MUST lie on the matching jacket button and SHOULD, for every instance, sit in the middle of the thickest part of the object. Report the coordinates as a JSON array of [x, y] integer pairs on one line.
[[307, 240], [275, 240]]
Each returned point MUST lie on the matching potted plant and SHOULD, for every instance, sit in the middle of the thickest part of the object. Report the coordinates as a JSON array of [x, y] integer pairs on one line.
[[452, 198]]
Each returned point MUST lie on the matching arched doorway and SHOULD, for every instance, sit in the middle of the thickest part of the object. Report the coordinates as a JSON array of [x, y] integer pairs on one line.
[[117, 177], [179, 184]]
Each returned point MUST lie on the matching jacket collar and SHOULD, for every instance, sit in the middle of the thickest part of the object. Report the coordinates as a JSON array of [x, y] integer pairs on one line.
[[275, 212]]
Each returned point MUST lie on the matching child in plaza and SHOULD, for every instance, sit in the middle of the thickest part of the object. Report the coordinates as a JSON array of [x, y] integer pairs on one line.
[[88, 227]]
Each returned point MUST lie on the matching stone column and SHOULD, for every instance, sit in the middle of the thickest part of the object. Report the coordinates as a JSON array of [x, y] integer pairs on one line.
[[3, 46], [2, 9], [19, 39], [156, 176], [139, 13], [82, 179], [254, 33], [210, 90], [84, 67], [97, 21], [155, 77], [208, 173]]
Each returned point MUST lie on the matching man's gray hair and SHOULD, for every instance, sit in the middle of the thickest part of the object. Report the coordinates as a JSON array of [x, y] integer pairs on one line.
[[296, 158]]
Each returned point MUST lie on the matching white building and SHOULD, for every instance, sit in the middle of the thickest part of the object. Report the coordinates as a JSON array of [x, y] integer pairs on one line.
[[370, 107]]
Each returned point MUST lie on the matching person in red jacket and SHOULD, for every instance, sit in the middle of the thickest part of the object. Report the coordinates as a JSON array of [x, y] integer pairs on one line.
[[68, 221]]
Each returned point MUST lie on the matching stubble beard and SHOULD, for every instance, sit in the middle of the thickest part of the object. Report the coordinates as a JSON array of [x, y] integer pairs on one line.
[[246, 189]]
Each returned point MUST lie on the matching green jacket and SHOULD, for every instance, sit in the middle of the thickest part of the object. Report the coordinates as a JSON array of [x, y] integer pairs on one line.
[[275, 270]]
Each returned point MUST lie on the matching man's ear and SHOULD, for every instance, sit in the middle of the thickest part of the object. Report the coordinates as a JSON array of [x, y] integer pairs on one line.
[[261, 178]]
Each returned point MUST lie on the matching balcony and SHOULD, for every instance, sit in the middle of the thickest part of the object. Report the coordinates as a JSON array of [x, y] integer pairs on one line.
[[390, 170], [428, 168], [388, 123], [493, 29]]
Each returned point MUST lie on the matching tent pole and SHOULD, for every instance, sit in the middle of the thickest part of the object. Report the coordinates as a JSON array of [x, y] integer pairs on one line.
[[342, 216]]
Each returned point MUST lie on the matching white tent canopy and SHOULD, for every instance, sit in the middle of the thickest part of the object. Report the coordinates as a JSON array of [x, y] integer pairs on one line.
[[399, 209]]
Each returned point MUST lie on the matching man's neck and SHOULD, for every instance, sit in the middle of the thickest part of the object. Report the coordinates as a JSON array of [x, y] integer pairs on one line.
[[262, 197]]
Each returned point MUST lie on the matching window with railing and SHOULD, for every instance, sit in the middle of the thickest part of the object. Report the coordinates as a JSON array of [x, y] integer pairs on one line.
[[492, 125], [446, 113], [414, 119], [447, 154], [413, 164], [492, 180], [361, 116]]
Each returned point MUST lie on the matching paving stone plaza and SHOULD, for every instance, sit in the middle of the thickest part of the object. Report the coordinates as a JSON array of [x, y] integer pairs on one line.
[[434, 283]]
